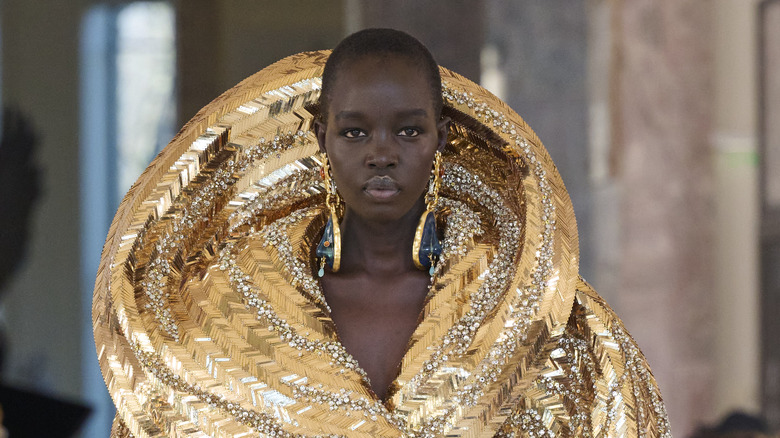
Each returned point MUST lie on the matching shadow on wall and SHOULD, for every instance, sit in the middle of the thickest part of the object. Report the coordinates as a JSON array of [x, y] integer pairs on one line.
[[20, 410], [19, 188]]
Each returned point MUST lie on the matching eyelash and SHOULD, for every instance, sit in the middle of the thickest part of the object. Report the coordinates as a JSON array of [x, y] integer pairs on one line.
[[346, 133], [360, 133], [415, 134]]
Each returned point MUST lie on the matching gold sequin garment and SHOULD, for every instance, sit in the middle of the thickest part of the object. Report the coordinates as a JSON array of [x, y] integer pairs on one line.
[[209, 319]]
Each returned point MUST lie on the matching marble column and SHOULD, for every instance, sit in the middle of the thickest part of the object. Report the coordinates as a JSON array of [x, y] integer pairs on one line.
[[659, 210]]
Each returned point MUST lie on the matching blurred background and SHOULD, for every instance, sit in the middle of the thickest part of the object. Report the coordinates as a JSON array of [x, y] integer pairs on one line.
[[663, 116]]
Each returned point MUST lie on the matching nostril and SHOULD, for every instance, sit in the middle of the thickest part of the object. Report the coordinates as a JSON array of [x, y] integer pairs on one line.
[[382, 165], [381, 162]]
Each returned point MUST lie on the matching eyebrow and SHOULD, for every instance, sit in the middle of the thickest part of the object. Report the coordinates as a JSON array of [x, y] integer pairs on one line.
[[416, 112]]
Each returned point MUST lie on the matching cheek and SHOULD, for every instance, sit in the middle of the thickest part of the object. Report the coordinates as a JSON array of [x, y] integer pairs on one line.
[[343, 173], [425, 176], [422, 174], [344, 187], [337, 160]]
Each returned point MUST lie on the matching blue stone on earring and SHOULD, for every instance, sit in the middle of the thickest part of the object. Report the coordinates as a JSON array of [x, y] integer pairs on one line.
[[329, 250], [428, 247]]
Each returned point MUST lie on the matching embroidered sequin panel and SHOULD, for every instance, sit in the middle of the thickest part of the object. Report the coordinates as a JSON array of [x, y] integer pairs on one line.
[[210, 321]]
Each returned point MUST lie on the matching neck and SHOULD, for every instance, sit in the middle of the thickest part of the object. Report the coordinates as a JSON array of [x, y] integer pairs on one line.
[[379, 247]]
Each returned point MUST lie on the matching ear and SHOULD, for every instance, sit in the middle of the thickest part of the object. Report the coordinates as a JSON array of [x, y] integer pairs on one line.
[[442, 128], [319, 131]]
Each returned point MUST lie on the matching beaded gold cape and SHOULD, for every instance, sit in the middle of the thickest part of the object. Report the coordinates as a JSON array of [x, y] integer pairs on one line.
[[209, 319]]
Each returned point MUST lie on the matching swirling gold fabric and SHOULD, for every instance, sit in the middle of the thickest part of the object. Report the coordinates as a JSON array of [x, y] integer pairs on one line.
[[209, 319]]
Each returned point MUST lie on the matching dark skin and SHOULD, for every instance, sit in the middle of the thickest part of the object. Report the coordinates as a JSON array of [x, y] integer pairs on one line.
[[381, 134]]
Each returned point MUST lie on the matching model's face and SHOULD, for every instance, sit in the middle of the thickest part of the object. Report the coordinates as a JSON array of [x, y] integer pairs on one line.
[[381, 135]]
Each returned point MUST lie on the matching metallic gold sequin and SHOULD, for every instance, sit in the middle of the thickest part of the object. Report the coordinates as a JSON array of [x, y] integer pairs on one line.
[[209, 319]]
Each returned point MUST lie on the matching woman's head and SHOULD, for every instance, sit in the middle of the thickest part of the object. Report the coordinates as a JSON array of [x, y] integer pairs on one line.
[[381, 43], [381, 122]]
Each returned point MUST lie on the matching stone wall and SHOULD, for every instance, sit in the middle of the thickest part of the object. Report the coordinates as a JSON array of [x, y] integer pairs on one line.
[[543, 54], [452, 30]]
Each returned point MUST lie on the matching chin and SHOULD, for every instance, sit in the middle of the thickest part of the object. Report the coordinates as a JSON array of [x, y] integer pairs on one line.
[[380, 213], [382, 210]]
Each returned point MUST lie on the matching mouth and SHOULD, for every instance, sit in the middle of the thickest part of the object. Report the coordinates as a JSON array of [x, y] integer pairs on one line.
[[381, 187]]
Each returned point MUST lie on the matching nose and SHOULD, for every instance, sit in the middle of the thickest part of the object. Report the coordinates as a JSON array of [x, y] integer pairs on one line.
[[382, 152]]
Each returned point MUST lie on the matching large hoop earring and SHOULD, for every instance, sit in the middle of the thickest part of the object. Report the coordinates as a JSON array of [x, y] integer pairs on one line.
[[329, 248], [426, 248]]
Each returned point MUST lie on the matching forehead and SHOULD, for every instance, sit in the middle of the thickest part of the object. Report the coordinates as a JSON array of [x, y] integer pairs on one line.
[[380, 76]]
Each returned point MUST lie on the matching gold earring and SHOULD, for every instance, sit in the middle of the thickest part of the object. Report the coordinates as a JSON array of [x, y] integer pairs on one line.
[[329, 248], [426, 248]]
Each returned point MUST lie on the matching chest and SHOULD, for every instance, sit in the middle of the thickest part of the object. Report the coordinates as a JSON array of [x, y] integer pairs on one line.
[[375, 320]]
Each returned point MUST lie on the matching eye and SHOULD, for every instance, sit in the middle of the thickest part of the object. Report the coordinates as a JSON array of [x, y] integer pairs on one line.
[[353, 133], [409, 132]]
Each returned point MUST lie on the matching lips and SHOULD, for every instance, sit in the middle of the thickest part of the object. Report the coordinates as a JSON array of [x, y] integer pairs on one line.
[[381, 187]]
